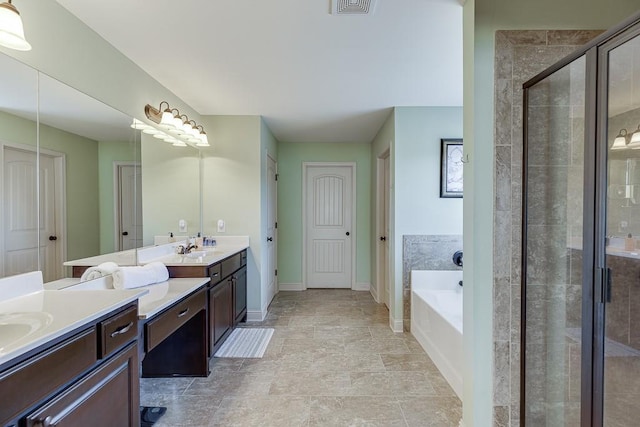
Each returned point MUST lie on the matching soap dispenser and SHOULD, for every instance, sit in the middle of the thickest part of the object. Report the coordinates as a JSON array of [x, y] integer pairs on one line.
[[199, 240], [629, 243], [171, 238]]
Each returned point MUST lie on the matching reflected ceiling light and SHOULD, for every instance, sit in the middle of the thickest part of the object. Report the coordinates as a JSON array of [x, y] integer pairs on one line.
[[11, 29], [635, 140], [139, 124], [620, 143], [176, 124], [204, 141]]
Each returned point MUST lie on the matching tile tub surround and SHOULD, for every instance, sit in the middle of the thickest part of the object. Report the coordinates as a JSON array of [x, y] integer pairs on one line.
[[425, 252], [519, 55], [332, 361]]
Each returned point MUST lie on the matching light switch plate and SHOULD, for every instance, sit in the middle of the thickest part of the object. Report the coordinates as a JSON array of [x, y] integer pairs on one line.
[[221, 226], [182, 226]]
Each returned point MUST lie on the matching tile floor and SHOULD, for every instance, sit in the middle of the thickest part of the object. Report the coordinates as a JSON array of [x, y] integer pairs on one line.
[[332, 361]]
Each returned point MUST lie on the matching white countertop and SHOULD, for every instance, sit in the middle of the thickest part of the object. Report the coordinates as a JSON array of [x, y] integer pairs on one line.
[[226, 247], [209, 256], [156, 297], [39, 317], [163, 295]]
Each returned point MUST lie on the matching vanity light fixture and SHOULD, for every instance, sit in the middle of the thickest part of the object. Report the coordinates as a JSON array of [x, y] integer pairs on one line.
[[11, 28], [620, 143], [178, 125], [635, 140]]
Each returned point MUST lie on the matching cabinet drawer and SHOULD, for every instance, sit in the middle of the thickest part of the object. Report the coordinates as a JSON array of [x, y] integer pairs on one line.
[[215, 273], [106, 397], [243, 258], [231, 264], [118, 330], [170, 320], [36, 378]]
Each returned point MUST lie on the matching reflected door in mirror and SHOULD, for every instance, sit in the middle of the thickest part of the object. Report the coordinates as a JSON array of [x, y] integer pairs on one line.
[[130, 206]]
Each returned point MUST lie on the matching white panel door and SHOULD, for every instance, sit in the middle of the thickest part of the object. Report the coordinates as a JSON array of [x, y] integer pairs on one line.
[[328, 219], [24, 230], [385, 227], [20, 216], [50, 239], [271, 229], [130, 207]]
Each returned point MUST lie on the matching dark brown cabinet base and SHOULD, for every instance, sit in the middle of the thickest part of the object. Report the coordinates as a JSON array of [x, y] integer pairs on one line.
[[88, 377]]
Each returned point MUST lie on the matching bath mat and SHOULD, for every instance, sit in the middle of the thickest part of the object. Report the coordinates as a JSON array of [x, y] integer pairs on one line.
[[150, 414], [246, 342]]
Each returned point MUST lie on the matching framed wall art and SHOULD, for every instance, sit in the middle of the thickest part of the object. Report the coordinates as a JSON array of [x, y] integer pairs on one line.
[[451, 168]]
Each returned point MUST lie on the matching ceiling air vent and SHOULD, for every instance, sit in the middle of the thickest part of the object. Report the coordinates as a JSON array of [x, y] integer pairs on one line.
[[352, 7]]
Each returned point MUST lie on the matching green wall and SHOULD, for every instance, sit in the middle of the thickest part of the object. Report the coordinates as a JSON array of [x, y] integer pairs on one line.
[[232, 183], [291, 155], [108, 153]]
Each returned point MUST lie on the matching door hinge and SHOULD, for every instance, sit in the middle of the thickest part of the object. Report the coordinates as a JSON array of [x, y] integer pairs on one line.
[[276, 177], [276, 225], [276, 272]]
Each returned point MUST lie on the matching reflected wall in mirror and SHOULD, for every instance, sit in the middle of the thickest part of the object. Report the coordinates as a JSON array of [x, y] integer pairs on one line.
[[18, 138], [89, 176], [172, 190], [623, 216]]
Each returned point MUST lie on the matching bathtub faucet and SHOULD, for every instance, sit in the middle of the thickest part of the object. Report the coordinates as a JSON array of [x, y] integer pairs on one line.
[[457, 258]]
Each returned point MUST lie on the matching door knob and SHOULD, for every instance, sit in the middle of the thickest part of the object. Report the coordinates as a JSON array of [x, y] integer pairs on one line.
[[125, 233], [52, 238], [347, 233], [269, 239], [383, 238]]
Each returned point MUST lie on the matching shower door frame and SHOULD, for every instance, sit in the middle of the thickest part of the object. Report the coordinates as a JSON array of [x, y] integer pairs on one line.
[[594, 270]]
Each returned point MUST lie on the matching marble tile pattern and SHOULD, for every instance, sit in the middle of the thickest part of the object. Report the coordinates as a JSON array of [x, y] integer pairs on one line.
[[332, 361], [425, 252], [519, 56]]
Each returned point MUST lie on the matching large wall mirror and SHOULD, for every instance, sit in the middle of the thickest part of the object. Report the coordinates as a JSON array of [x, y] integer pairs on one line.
[[72, 182]]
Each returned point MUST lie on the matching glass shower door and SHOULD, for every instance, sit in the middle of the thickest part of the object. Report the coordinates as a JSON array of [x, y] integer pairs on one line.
[[621, 345], [553, 236]]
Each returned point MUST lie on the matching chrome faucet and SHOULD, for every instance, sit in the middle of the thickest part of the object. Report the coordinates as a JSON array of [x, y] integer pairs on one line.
[[186, 248]]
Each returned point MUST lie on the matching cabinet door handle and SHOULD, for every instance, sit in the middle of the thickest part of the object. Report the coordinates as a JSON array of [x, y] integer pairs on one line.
[[183, 312], [215, 275], [269, 239], [122, 330], [44, 422]]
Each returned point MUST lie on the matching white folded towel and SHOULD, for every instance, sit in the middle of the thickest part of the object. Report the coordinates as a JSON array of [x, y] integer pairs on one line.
[[134, 277], [98, 271]]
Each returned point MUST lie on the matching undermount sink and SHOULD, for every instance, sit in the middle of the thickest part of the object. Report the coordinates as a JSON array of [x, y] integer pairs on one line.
[[196, 254], [16, 326]]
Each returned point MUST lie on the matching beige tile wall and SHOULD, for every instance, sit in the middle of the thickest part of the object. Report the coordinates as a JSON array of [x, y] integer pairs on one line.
[[519, 56]]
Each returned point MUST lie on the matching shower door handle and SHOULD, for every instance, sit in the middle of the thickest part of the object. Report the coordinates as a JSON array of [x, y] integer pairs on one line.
[[605, 284]]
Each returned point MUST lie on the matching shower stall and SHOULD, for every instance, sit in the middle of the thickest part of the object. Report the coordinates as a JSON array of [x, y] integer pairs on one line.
[[581, 237]]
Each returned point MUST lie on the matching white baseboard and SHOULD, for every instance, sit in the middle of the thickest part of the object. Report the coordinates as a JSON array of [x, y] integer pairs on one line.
[[374, 293], [396, 325], [255, 315], [291, 287], [362, 287]]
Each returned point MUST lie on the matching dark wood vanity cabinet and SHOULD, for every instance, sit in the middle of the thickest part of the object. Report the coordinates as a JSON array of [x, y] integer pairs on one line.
[[88, 377], [220, 314], [240, 295]]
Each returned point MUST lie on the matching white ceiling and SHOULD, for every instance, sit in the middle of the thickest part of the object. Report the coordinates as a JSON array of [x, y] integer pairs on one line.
[[315, 77]]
